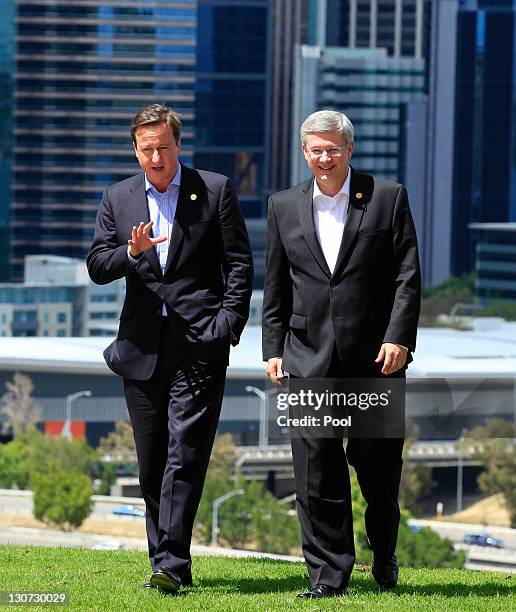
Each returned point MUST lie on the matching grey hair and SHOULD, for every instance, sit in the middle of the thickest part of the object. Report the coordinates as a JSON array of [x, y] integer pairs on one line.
[[327, 121]]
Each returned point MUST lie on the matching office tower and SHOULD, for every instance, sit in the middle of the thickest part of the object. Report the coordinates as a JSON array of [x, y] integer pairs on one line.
[[232, 91], [484, 185], [428, 145], [6, 145], [82, 71], [395, 25], [289, 19], [495, 254], [370, 88]]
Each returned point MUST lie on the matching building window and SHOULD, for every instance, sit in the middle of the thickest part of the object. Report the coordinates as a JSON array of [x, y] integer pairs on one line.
[[61, 317], [61, 333]]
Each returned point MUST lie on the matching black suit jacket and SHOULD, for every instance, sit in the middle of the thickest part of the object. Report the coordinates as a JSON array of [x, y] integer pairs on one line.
[[372, 297], [206, 285]]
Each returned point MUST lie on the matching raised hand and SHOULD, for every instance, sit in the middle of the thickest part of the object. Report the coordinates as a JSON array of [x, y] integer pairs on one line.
[[141, 241]]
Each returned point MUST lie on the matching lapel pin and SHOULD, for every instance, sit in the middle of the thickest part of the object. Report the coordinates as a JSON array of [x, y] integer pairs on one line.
[[193, 196], [358, 195]]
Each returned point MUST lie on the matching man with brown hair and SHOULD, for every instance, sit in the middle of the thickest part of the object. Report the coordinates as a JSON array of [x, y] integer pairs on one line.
[[179, 238]]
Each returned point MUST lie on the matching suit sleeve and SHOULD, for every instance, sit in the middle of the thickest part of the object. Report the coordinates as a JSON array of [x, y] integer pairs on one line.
[[406, 277], [237, 263], [277, 294], [107, 260]]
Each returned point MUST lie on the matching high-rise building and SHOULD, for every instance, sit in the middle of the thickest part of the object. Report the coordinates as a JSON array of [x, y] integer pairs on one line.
[[395, 25], [82, 71], [370, 88], [484, 182], [232, 90], [428, 145], [289, 19], [6, 144], [495, 257]]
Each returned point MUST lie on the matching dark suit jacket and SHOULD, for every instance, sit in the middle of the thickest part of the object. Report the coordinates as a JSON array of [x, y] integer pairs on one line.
[[372, 297], [206, 285]]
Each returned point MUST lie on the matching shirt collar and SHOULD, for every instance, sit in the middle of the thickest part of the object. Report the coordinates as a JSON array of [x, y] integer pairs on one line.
[[345, 189], [175, 181]]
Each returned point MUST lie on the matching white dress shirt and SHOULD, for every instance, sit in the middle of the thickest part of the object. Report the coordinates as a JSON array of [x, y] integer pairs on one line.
[[329, 218], [162, 210]]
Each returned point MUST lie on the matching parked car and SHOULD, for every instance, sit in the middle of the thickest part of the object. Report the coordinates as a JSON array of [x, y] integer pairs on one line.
[[128, 511], [482, 539]]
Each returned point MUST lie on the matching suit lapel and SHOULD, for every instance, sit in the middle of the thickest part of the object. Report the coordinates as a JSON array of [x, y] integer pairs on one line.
[[306, 219], [359, 195], [140, 212]]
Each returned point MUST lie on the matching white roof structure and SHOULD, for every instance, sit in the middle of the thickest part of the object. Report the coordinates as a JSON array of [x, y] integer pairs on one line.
[[488, 351]]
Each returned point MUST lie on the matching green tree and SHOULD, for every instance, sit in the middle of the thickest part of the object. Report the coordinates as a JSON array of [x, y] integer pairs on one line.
[[499, 308], [416, 479], [219, 480], [494, 445], [254, 519], [422, 549], [62, 497], [441, 298]]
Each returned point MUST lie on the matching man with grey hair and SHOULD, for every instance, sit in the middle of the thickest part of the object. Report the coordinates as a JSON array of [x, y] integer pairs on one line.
[[341, 300], [178, 237]]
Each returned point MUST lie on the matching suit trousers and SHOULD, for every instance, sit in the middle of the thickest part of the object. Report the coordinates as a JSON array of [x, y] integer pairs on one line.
[[174, 416], [323, 492]]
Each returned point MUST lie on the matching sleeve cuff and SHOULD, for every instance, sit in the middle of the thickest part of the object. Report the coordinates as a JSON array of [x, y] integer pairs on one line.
[[132, 259]]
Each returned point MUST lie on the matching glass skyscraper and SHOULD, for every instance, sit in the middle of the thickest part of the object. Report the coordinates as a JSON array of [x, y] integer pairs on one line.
[[484, 183], [6, 143], [232, 95], [82, 71], [368, 86]]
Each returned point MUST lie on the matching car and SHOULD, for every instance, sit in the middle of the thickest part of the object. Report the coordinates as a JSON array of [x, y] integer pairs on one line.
[[128, 510], [482, 539]]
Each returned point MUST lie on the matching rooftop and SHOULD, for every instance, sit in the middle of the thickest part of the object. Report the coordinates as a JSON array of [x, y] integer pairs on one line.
[[488, 351]]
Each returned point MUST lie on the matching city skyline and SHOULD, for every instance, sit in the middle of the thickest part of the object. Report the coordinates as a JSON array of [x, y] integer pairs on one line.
[[233, 70]]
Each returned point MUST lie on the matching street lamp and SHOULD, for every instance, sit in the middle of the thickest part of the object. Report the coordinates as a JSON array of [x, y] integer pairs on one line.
[[460, 467], [263, 435], [66, 432], [215, 514]]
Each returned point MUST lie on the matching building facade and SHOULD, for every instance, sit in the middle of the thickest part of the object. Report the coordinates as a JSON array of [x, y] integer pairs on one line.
[[82, 71], [370, 88], [484, 181], [495, 261], [6, 142], [232, 95]]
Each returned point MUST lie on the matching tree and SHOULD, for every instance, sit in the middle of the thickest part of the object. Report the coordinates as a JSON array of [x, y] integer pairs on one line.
[[18, 409], [422, 549], [121, 439], [440, 299], [254, 519], [416, 479], [62, 497], [499, 308], [494, 445]]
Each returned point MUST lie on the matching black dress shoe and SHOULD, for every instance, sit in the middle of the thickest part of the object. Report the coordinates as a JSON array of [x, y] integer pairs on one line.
[[386, 572], [321, 590], [166, 580]]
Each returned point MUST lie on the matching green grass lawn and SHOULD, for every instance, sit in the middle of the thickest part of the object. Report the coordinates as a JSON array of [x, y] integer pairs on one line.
[[105, 580]]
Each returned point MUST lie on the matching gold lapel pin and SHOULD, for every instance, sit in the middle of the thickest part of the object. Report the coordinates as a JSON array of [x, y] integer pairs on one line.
[[358, 195], [193, 196]]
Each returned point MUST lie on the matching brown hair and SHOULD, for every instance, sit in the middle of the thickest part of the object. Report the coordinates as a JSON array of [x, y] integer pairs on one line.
[[157, 113]]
